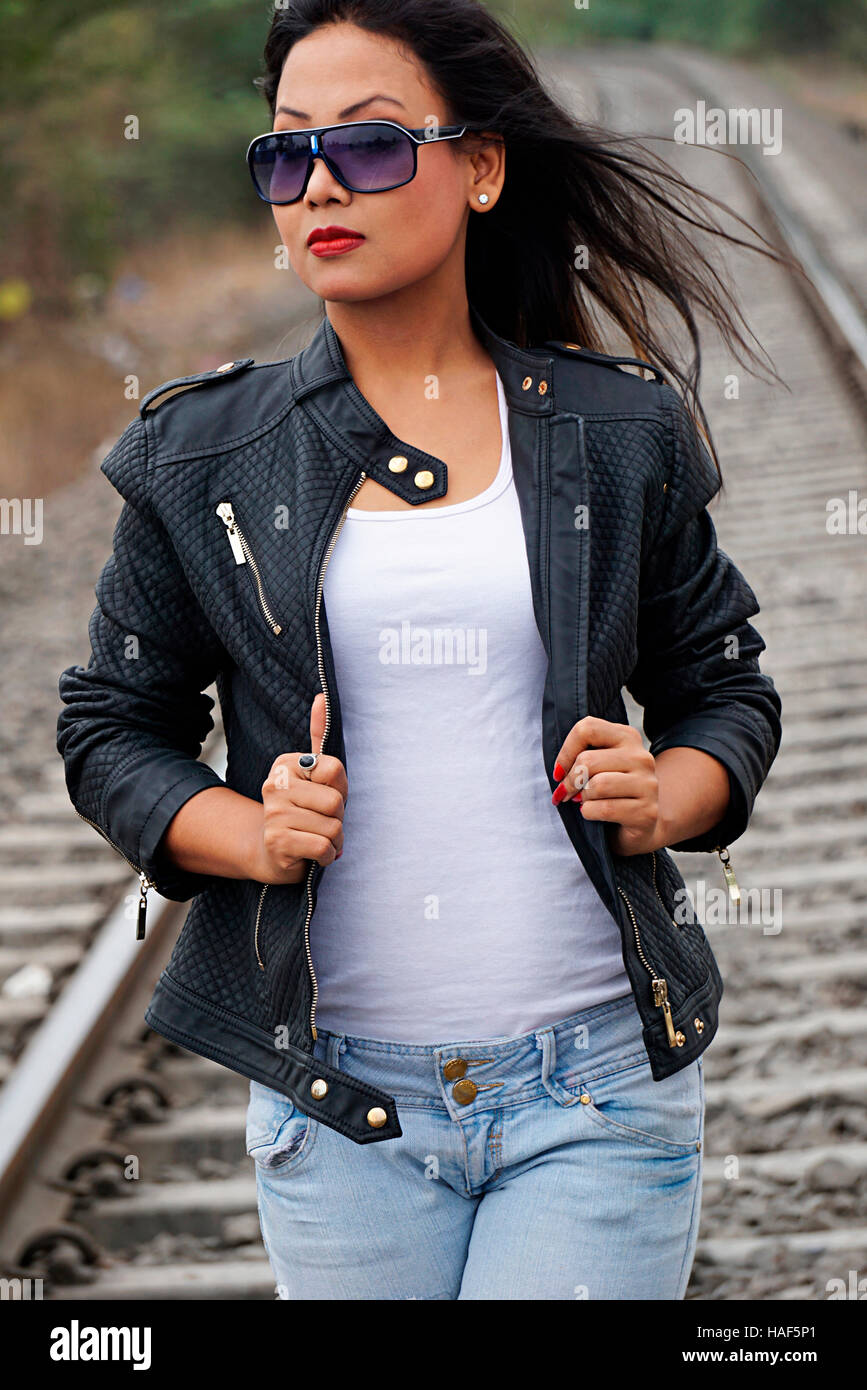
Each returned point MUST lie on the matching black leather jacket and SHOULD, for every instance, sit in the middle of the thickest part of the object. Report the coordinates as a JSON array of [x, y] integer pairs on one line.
[[235, 490]]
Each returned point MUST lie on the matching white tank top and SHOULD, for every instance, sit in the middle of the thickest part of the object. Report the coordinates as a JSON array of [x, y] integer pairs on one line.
[[459, 909]]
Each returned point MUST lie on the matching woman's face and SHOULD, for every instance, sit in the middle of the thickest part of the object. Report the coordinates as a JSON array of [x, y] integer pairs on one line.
[[341, 73]]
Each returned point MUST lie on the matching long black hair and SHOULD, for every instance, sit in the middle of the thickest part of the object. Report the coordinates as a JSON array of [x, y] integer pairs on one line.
[[569, 184]]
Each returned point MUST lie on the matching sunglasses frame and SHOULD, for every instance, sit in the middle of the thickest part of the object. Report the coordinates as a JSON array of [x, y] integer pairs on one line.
[[314, 151]]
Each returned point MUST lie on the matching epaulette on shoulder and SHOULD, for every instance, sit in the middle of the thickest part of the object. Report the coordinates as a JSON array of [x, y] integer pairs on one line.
[[604, 359], [227, 370]]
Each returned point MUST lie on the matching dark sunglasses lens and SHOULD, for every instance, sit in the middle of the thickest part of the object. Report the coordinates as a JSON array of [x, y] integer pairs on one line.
[[370, 157], [279, 165]]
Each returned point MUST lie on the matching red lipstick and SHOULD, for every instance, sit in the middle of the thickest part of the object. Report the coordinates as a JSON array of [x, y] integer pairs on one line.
[[333, 241]]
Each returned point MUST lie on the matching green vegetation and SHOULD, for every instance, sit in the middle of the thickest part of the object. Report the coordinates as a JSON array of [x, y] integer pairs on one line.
[[742, 27], [72, 74], [78, 191]]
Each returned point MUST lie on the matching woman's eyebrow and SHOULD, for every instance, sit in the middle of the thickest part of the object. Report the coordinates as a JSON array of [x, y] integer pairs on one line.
[[347, 111]]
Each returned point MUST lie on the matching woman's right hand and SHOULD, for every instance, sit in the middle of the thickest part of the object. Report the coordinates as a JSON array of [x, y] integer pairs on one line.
[[303, 818]]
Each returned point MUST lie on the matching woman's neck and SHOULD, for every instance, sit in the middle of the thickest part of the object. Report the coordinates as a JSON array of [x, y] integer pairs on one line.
[[412, 336]]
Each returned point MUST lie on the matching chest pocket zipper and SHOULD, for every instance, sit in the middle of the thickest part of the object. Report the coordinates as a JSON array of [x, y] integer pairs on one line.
[[244, 556]]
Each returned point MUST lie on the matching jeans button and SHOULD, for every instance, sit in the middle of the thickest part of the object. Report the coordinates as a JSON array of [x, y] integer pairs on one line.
[[465, 1092], [454, 1068]]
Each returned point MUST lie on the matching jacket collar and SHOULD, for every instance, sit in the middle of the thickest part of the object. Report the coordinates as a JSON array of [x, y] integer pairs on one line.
[[319, 376], [528, 377]]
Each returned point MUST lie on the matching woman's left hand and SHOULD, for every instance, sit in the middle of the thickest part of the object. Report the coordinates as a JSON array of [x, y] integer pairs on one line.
[[606, 768]]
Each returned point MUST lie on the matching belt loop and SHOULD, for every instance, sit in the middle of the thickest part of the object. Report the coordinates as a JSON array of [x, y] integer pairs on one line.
[[336, 1044], [546, 1040]]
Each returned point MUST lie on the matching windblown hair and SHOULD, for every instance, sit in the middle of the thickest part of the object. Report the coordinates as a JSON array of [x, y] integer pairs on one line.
[[569, 184]]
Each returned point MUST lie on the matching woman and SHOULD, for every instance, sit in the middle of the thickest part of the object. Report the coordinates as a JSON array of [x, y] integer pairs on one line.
[[475, 1047]]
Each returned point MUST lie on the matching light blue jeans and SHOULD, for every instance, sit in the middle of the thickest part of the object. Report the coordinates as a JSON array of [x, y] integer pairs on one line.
[[569, 1173]]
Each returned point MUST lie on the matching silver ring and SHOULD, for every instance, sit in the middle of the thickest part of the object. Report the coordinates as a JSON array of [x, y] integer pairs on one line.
[[306, 764]]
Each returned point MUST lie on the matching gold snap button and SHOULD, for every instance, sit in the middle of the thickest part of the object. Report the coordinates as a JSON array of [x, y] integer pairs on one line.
[[679, 1038], [454, 1068], [376, 1117], [465, 1091], [319, 1088], [543, 388], [424, 479], [226, 367], [398, 464], [526, 383], [699, 1026], [585, 1099]]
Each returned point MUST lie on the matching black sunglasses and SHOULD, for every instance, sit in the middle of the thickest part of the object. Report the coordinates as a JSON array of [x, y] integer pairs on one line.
[[365, 157]]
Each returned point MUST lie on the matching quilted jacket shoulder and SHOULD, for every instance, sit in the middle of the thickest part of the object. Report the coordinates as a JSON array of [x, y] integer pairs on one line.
[[665, 443], [596, 383], [218, 410]]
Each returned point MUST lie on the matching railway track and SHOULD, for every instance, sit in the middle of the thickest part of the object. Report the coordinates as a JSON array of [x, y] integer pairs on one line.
[[122, 1165]]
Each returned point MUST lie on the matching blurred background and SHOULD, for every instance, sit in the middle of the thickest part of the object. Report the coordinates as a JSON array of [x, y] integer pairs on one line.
[[100, 233], [134, 251]]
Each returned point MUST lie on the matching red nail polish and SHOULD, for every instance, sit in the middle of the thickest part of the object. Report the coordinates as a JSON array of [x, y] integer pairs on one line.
[[558, 773], [559, 794], [577, 797]]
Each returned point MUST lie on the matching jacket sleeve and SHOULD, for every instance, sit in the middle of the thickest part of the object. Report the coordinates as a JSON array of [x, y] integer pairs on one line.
[[697, 673], [135, 718]]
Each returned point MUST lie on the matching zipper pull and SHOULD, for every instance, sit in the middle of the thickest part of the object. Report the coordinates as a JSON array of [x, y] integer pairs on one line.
[[144, 885], [728, 871], [660, 999], [227, 516]]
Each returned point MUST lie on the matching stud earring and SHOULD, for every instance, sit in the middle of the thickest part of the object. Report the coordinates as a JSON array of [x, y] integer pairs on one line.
[[483, 198]]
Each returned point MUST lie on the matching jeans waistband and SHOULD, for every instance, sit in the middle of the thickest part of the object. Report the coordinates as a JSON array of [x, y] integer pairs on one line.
[[592, 1043]]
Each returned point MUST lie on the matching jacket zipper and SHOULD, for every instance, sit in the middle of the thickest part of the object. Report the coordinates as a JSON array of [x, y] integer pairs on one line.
[[658, 894], [244, 556], [729, 873], [265, 887], [321, 663], [658, 984], [145, 883], [232, 525]]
